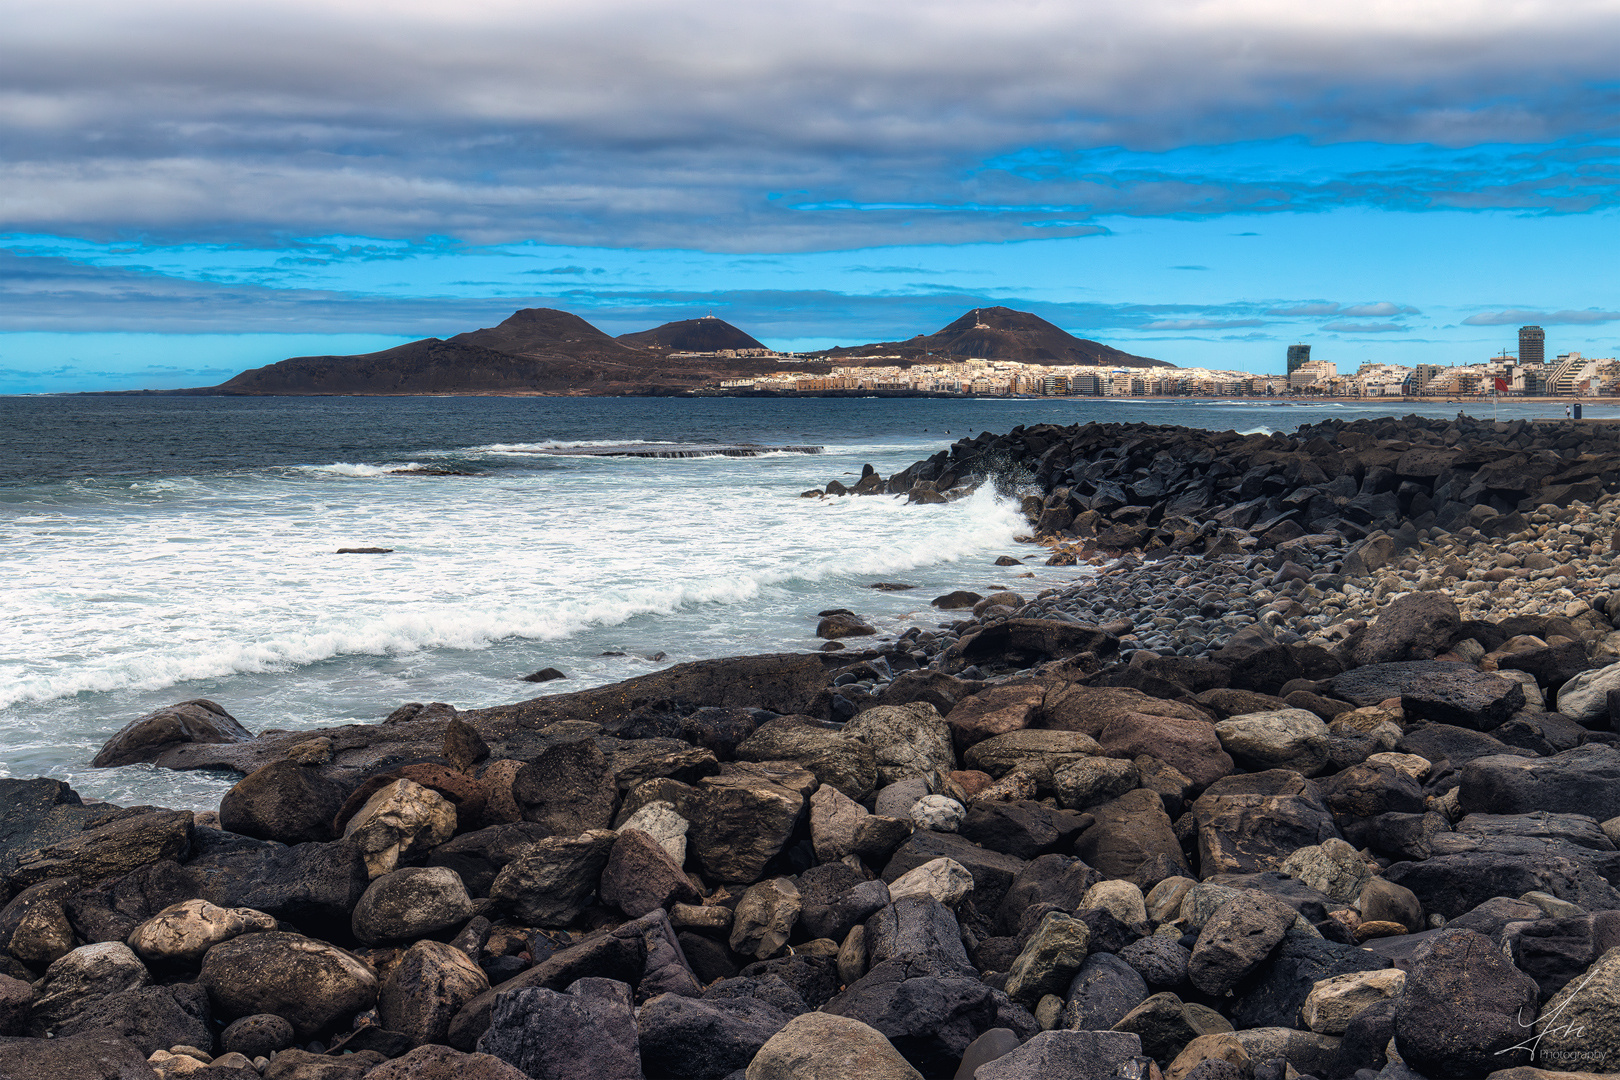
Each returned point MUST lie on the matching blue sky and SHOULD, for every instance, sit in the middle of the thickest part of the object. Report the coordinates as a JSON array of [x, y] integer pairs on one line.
[[191, 188]]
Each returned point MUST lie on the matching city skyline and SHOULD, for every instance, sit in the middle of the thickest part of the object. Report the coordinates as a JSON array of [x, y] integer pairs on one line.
[[191, 190]]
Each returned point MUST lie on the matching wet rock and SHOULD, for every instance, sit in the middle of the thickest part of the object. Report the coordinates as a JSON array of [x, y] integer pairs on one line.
[[739, 825], [843, 625], [640, 876], [424, 991], [1463, 1007], [550, 885], [906, 740], [704, 1039], [181, 933], [400, 823], [147, 739], [590, 1030], [567, 788], [1236, 940], [411, 902], [1285, 739], [819, 1046], [317, 987]]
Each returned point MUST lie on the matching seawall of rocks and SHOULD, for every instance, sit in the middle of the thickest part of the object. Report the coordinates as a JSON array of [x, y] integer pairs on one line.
[[1317, 776]]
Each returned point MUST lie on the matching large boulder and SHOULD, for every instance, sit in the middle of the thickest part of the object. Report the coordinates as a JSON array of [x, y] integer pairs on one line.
[[1415, 626], [1464, 696], [1090, 709], [1237, 939], [819, 1046], [1189, 745], [411, 902], [567, 788], [641, 876], [400, 823], [588, 1031], [850, 765], [442, 1063], [1050, 960], [181, 933], [740, 823], [285, 802], [1582, 1021], [146, 739], [906, 740], [551, 885], [1275, 996], [1132, 838], [1585, 698], [80, 979], [764, 918], [478, 856], [313, 886], [1102, 993], [1252, 822], [1285, 739], [1037, 752], [995, 711], [151, 1017], [96, 1055], [424, 991], [700, 1039], [1585, 780], [1069, 1055], [1463, 1009], [106, 851], [315, 986], [992, 871]]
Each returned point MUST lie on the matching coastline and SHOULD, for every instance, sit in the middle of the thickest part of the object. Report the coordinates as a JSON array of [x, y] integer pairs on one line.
[[1362, 625]]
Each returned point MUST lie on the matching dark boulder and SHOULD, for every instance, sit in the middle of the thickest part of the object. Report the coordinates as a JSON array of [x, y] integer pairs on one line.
[[317, 987], [590, 1030], [147, 739], [1463, 1007], [1585, 780], [1252, 822], [697, 1039], [285, 802], [151, 1017], [993, 872], [1131, 838], [1415, 626], [1465, 697], [567, 788]]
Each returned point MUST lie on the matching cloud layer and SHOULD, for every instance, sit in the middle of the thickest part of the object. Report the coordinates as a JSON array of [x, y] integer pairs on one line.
[[767, 126]]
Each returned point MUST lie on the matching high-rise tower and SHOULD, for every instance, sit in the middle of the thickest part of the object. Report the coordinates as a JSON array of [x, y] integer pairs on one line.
[[1297, 355], [1532, 345]]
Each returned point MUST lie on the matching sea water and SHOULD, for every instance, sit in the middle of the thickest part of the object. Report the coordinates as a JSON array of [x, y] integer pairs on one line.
[[157, 549]]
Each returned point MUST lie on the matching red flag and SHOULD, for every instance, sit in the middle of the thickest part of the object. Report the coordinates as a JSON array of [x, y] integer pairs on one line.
[[1501, 385]]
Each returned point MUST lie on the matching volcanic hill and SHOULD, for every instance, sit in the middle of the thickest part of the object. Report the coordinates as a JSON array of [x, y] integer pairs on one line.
[[1000, 333], [707, 334]]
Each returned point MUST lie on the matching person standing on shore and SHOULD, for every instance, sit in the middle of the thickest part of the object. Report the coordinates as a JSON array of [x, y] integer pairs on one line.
[[1568, 412]]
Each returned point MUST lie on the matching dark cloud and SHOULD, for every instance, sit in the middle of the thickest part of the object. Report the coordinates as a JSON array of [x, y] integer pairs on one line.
[[733, 127], [1523, 316]]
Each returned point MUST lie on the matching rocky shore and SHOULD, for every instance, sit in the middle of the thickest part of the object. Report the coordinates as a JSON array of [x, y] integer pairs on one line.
[[1317, 774]]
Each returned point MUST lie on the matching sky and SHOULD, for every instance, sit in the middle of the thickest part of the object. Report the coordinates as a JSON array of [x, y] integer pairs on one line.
[[190, 188]]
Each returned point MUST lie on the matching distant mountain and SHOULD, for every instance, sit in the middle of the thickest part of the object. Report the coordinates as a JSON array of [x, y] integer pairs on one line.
[[705, 335], [546, 351], [1000, 333], [542, 332]]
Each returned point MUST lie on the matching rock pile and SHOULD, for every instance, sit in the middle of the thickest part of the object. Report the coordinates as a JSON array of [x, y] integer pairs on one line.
[[1306, 807]]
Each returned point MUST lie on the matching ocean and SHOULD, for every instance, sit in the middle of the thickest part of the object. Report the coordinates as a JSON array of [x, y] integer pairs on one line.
[[155, 549]]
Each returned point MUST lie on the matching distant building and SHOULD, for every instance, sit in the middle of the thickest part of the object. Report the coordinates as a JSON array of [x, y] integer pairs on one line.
[[1532, 345], [1424, 376], [1086, 385], [1297, 355]]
